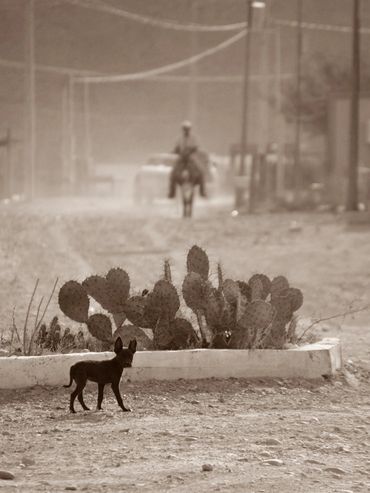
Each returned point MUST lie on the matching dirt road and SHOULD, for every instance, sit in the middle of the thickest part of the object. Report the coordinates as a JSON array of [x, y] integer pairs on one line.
[[255, 436]]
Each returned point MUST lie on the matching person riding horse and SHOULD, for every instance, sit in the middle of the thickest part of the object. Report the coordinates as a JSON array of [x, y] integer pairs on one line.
[[186, 148]]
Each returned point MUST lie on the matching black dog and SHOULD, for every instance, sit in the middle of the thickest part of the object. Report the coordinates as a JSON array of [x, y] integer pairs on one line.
[[102, 372]]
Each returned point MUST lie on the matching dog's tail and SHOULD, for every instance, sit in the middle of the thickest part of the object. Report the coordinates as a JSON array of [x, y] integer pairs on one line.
[[71, 379]]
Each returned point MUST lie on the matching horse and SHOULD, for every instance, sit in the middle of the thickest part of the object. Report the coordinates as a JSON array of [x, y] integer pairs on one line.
[[187, 186], [187, 178]]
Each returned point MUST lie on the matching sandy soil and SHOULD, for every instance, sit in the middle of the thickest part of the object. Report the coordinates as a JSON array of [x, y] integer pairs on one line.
[[318, 430]]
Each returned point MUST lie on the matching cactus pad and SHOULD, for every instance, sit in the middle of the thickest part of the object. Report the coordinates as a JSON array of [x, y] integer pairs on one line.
[[119, 319], [100, 326], [119, 287], [220, 277], [214, 309], [73, 301], [266, 284], [134, 310], [167, 271], [258, 314], [184, 336], [279, 284], [231, 291], [197, 261], [97, 288], [195, 291], [245, 290], [162, 334], [111, 291], [166, 298], [283, 307], [296, 298], [256, 322], [257, 291]]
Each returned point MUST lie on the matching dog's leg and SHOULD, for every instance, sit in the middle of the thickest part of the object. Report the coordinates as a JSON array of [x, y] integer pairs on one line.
[[100, 394], [115, 387], [73, 397], [81, 400], [79, 388]]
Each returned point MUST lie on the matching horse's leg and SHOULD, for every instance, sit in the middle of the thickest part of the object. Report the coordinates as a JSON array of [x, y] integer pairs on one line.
[[183, 202], [191, 203]]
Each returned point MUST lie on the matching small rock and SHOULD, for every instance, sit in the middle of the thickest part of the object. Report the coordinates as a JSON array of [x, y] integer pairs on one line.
[[207, 467], [273, 462], [194, 402], [335, 470], [265, 453], [350, 379], [191, 439], [26, 461], [313, 461], [70, 488], [270, 441], [6, 475]]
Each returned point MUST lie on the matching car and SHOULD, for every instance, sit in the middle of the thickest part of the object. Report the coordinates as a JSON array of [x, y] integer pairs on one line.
[[152, 180]]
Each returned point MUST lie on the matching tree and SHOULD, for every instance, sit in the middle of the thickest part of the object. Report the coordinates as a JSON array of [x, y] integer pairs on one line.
[[321, 77]]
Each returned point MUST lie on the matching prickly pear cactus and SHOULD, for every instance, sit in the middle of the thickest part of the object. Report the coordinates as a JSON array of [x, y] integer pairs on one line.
[[220, 277], [134, 310], [119, 288], [245, 290], [278, 285], [74, 302], [184, 336], [231, 291], [255, 324], [166, 298], [152, 312], [167, 271], [198, 262], [214, 310], [97, 288], [256, 290], [296, 298], [111, 292], [195, 291], [100, 326], [286, 301], [162, 334]]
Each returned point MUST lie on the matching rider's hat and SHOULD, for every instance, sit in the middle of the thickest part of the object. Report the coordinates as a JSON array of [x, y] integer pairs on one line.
[[186, 124]]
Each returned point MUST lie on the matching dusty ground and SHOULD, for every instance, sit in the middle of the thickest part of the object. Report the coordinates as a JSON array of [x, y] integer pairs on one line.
[[177, 427]]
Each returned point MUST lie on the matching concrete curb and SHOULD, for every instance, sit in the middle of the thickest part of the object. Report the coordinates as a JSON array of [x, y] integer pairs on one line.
[[310, 361]]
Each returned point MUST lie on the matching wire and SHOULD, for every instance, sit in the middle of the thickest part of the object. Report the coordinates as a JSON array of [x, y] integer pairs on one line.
[[166, 68], [318, 27], [203, 28], [150, 21], [158, 78]]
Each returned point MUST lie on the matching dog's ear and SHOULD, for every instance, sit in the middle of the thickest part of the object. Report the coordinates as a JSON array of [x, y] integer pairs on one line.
[[132, 346], [118, 345]]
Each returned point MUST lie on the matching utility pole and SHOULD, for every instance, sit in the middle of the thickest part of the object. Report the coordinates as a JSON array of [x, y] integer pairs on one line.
[[30, 110], [193, 87], [297, 163], [352, 190], [239, 197]]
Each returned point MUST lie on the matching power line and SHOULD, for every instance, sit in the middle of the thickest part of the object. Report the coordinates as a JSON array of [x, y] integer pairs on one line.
[[166, 68], [166, 24], [150, 21], [318, 27]]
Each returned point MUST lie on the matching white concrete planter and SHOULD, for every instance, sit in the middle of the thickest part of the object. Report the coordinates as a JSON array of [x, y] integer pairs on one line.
[[310, 361]]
